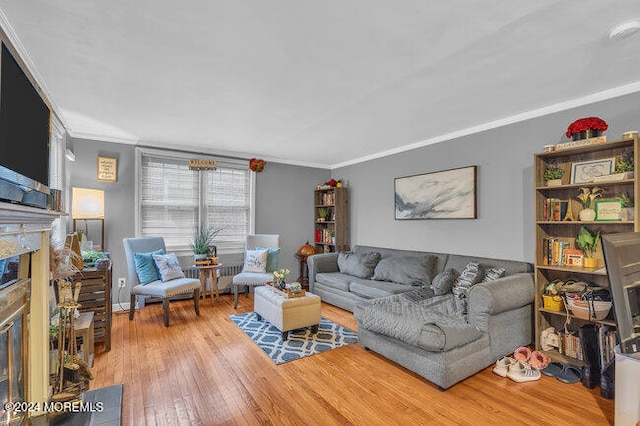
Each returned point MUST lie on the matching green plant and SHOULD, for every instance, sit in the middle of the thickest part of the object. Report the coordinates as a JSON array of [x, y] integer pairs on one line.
[[588, 195], [625, 199], [625, 163], [91, 256], [587, 241], [323, 212], [553, 171], [203, 238]]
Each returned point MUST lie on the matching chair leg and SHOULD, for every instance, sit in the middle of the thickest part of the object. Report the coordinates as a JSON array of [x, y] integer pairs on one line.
[[132, 307], [235, 297], [165, 308], [246, 291], [196, 300]]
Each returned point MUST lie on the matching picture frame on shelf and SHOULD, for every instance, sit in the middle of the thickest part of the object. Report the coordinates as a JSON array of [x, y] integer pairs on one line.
[[608, 210], [587, 171]]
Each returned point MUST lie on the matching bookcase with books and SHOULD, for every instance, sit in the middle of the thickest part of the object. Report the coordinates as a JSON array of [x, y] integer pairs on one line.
[[331, 219], [558, 259]]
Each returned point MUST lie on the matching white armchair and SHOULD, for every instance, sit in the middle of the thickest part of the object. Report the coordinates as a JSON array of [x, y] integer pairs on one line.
[[253, 279]]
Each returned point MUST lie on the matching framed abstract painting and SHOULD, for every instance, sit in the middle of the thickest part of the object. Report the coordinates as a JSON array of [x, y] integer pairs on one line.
[[447, 194]]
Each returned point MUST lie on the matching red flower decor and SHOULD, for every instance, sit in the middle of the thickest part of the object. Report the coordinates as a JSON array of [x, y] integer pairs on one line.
[[587, 123], [332, 183], [257, 165]]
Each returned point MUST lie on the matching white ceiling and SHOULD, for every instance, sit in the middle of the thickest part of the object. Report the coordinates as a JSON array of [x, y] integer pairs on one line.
[[322, 83]]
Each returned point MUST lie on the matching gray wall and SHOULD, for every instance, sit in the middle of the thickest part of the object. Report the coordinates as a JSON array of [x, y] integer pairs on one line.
[[504, 156], [284, 203]]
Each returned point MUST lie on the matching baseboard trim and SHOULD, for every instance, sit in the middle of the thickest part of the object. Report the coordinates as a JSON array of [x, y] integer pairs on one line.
[[120, 306]]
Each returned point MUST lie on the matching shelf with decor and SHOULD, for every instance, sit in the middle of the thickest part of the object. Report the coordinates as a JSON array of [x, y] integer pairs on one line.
[[585, 176], [331, 219]]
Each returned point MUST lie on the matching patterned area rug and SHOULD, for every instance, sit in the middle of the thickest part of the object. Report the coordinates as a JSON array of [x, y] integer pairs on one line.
[[300, 343]]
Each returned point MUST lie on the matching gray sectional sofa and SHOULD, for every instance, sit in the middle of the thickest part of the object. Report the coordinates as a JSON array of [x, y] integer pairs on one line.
[[409, 311]]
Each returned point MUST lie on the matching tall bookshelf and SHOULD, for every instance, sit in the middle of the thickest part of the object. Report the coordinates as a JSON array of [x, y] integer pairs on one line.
[[567, 228], [332, 230]]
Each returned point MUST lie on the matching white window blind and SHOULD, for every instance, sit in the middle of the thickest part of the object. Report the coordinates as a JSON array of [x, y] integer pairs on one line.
[[57, 146], [175, 200]]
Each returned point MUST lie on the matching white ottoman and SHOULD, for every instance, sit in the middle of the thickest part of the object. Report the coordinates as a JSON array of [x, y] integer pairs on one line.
[[287, 314]]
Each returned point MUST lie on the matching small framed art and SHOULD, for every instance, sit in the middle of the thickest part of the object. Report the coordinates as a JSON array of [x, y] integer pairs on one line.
[[608, 210], [107, 169], [587, 171]]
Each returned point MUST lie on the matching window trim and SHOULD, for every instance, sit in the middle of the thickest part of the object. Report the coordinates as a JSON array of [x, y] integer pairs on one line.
[[185, 155]]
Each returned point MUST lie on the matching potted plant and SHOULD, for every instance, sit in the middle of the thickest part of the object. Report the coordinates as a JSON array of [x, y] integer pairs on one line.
[[587, 241], [628, 209], [625, 164], [323, 213], [203, 238], [553, 174], [587, 197]]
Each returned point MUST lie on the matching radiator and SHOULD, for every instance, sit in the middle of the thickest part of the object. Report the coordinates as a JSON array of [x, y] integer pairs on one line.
[[225, 275]]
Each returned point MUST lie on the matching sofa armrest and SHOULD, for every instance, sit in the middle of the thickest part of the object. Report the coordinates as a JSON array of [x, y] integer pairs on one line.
[[501, 295], [317, 263]]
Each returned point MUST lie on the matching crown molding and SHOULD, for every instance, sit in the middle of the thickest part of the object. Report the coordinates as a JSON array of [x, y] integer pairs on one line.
[[536, 113]]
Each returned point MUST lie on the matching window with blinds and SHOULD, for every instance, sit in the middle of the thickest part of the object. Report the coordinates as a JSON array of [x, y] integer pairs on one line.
[[174, 200], [57, 146]]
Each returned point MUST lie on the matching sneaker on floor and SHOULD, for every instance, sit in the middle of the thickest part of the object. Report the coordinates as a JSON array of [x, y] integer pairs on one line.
[[522, 372], [502, 366]]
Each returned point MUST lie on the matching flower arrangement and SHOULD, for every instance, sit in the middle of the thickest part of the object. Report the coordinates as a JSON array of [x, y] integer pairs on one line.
[[625, 162], [280, 275], [256, 165], [588, 195], [587, 123], [553, 171], [625, 199]]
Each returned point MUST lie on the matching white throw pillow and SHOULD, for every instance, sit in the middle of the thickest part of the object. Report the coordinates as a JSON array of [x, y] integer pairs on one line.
[[168, 266], [255, 261]]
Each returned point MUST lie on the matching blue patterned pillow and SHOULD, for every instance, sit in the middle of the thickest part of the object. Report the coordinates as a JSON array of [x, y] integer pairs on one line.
[[168, 266], [273, 258], [146, 267]]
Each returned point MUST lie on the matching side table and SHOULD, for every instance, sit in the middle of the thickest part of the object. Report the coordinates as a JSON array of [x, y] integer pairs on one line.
[[212, 272], [303, 279], [84, 328]]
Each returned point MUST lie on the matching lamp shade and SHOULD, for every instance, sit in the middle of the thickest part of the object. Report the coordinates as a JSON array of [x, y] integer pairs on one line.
[[87, 203]]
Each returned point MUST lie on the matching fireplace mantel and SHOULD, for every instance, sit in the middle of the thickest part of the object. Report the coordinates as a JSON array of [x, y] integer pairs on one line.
[[15, 221]]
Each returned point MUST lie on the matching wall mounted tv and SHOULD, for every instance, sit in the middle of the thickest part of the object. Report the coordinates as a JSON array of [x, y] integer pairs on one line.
[[24, 136]]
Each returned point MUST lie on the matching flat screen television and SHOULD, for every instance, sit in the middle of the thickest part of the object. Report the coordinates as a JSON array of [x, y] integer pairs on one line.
[[24, 136], [622, 259]]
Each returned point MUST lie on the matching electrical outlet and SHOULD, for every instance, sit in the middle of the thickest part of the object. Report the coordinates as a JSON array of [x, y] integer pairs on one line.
[[122, 282]]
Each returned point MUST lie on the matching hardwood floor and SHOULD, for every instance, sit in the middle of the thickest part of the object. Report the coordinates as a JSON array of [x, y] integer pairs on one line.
[[205, 371]]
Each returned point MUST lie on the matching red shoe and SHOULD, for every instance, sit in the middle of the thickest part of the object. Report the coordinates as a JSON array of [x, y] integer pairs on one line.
[[538, 360]]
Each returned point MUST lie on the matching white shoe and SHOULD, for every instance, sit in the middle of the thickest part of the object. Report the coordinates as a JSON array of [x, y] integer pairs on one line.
[[522, 372], [502, 366]]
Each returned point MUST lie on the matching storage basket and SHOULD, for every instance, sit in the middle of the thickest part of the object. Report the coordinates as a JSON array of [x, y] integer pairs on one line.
[[580, 309], [552, 303]]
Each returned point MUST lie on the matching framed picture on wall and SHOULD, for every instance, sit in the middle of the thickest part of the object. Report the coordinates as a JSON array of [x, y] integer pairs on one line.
[[107, 169], [447, 194]]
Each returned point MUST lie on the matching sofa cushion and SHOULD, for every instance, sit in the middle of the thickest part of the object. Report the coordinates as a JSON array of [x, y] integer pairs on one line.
[[370, 289], [359, 265], [336, 280], [443, 282], [470, 275], [409, 270]]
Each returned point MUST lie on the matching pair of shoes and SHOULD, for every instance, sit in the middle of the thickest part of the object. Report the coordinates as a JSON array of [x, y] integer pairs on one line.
[[535, 359], [522, 372], [502, 366], [564, 372]]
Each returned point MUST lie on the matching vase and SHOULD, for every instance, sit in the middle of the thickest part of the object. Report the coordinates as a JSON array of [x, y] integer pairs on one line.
[[554, 182], [587, 215], [628, 213], [590, 262], [282, 285], [586, 134]]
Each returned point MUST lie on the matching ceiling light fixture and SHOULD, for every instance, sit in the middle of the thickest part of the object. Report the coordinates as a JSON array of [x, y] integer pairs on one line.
[[624, 30]]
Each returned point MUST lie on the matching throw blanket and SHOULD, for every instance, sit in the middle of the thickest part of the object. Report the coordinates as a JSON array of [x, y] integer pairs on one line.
[[431, 323]]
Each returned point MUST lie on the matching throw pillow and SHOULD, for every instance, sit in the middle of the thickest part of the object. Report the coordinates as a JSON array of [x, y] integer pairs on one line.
[[469, 276], [493, 274], [273, 258], [358, 264], [168, 266], [255, 261], [443, 282], [146, 267], [409, 270]]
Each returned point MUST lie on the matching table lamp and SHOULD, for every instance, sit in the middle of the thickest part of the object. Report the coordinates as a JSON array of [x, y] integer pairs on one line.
[[88, 204]]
